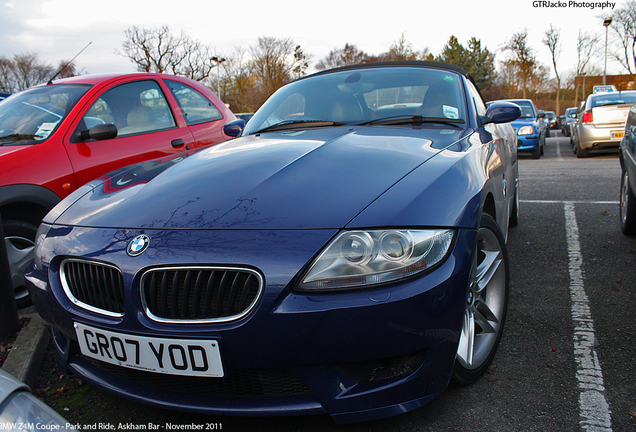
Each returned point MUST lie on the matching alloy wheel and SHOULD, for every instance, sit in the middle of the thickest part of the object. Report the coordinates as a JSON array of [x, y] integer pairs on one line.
[[486, 302]]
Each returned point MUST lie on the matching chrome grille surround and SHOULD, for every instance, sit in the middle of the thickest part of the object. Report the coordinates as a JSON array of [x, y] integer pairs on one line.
[[94, 286], [199, 294]]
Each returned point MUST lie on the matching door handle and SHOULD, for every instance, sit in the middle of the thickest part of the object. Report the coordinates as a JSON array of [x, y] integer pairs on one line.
[[177, 143]]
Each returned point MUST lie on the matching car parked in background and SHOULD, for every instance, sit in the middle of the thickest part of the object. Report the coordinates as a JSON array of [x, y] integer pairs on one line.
[[327, 261], [566, 120], [600, 121], [244, 116], [20, 410], [58, 136], [551, 120], [628, 178], [531, 128]]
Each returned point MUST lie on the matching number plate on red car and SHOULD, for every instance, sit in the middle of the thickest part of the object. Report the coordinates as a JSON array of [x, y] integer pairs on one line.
[[196, 357]]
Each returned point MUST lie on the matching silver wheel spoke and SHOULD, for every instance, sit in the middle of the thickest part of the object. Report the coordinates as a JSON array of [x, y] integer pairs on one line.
[[19, 260], [467, 339], [484, 316], [487, 269], [486, 300]]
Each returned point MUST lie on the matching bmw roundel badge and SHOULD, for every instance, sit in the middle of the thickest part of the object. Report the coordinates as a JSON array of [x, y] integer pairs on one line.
[[138, 245]]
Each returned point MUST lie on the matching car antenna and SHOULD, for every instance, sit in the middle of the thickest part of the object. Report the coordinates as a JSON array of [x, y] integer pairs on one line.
[[64, 67]]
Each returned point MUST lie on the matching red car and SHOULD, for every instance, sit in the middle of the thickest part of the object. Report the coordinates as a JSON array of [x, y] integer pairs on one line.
[[57, 136]]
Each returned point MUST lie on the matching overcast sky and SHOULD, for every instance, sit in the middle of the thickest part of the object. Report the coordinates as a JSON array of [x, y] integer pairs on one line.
[[56, 30]]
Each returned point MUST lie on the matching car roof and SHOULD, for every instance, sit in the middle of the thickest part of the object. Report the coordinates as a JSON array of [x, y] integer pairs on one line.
[[98, 78], [524, 100], [405, 63]]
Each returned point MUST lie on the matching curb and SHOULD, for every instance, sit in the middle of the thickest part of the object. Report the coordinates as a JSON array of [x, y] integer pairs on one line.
[[25, 358]]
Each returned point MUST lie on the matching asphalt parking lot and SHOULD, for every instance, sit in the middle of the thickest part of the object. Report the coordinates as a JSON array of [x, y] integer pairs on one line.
[[566, 361]]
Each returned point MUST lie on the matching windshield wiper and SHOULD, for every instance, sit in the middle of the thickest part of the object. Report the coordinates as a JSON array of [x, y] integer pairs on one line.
[[291, 124], [19, 137], [412, 119]]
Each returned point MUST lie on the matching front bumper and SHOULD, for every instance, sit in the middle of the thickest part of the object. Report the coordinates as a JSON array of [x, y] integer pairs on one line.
[[355, 355], [527, 142]]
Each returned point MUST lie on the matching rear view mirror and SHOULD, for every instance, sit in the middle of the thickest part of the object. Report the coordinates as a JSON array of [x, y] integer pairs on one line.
[[234, 128], [503, 112], [99, 133]]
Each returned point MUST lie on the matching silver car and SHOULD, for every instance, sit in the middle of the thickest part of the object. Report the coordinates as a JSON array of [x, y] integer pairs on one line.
[[600, 123], [21, 410]]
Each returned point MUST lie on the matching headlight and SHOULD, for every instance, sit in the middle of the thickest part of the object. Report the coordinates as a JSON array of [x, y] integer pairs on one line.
[[357, 259], [525, 130], [43, 230]]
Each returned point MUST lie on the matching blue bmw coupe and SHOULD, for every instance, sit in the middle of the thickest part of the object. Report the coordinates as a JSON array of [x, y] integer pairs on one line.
[[345, 254]]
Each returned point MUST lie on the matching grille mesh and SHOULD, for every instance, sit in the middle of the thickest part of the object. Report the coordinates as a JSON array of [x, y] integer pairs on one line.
[[97, 285], [199, 293]]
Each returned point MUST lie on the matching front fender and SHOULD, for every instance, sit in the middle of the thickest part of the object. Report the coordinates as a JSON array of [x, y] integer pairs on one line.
[[447, 191]]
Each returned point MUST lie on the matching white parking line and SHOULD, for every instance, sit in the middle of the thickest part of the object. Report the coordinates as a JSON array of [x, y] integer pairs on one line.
[[558, 149], [571, 202], [594, 411]]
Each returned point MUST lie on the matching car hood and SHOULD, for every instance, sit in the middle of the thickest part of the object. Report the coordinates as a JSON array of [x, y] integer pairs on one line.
[[523, 121], [308, 179], [11, 148]]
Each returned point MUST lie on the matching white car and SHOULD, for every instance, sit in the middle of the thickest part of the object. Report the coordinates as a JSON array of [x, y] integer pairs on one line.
[[600, 123]]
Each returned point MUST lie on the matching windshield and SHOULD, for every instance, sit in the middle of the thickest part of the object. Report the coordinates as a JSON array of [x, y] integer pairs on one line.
[[613, 98], [526, 108], [364, 96], [32, 116]]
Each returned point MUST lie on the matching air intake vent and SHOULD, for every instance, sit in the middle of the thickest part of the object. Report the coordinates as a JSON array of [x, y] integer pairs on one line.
[[199, 294], [94, 286]]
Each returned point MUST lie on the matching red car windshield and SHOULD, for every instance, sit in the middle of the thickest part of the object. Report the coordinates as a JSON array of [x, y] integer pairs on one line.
[[30, 117]]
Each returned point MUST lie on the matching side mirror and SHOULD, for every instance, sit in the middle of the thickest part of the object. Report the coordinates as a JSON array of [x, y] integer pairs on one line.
[[541, 114], [502, 112], [99, 132], [234, 128]]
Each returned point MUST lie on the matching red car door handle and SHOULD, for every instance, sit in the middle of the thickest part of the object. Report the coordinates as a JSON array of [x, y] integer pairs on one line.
[[177, 143]]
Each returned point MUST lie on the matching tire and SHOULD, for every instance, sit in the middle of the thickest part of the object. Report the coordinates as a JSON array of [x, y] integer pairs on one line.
[[581, 152], [486, 305], [19, 239], [536, 154], [628, 206]]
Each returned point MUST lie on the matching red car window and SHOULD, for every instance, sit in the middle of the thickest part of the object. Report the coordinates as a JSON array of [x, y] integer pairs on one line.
[[136, 107], [196, 108]]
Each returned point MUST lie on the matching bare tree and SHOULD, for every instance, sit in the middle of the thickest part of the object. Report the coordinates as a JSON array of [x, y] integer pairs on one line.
[[523, 58], [6, 75], [158, 50], [239, 85], [552, 39], [624, 29], [586, 46], [401, 49], [348, 55], [275, 62], [27, 71]]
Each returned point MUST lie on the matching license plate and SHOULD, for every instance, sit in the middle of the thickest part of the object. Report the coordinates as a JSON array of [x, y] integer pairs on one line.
[[192, 357], [616, 135]]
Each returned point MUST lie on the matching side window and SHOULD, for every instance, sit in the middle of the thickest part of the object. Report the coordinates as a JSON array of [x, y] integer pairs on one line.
[[480, 106], [135, 108], [196, 108]]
